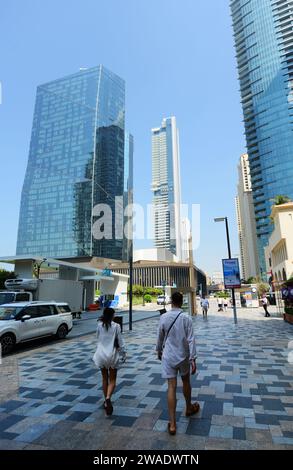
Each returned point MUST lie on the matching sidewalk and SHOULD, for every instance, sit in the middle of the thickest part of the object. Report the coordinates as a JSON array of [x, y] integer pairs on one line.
[[244, 386]]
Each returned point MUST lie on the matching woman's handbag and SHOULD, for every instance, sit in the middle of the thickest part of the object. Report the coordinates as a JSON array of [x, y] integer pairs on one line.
[[116, 342]]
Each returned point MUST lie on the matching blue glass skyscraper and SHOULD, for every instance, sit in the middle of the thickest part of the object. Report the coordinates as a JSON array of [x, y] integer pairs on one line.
[[76, 161], [264, 47]]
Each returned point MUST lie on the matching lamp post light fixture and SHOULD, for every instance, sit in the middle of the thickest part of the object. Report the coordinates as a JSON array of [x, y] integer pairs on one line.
[[225, 219]]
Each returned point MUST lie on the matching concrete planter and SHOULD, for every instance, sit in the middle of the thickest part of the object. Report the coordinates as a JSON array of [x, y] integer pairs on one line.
[[288, 318]]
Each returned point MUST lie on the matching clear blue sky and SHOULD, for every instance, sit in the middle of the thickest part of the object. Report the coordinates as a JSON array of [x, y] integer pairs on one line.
[[177, 58]]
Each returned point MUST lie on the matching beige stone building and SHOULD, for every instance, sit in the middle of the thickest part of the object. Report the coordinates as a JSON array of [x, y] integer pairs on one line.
[[279, 251], [246, 221]]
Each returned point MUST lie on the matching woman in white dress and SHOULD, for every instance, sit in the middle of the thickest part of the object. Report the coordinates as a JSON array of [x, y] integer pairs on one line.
[[109, 355]]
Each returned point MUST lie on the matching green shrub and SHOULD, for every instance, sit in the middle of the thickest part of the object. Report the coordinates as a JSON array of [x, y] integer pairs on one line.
[[137, 290], [4, 275], [158, 292], [262, 288], [251, 280], [289, 310], [289, 282], [149, 291], [222, 295], [148, 298]]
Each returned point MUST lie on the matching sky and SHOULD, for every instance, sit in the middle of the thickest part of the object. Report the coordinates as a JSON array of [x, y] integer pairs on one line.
[[177, 58]]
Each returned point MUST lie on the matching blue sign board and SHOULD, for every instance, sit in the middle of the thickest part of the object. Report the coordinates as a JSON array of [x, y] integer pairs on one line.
[[231, 273], [107, 272]]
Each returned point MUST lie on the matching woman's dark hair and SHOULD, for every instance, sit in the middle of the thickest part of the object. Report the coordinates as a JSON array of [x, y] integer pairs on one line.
[[108, 315]]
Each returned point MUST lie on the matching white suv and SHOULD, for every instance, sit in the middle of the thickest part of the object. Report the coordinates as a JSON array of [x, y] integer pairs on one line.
[[24, 321], [163, 300]]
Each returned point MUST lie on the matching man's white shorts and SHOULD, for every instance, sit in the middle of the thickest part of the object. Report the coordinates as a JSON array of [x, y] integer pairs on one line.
[[170, 372]]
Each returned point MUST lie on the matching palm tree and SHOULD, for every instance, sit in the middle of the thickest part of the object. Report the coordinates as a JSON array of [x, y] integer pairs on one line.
[[280, 199]]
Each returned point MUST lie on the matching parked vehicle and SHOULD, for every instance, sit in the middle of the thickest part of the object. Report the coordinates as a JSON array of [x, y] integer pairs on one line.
[[25, 321], [30, 285], [7, 297], [163, 300], [63, 307], [45, 290]]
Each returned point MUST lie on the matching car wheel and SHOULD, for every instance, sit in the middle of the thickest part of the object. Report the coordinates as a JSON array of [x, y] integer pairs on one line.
[[7, 343], [62, 332]]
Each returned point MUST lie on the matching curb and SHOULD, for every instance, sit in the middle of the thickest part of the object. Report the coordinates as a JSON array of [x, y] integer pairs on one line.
[[126, 323]]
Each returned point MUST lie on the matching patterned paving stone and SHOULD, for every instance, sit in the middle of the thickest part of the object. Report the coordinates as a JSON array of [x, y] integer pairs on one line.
[[221, 431], [239, 434], [125, 421], [78, 416], [70, 398], [8, 444], [242, 402], [199, 427], [237, 421], [272, 404], [212, 408], [233, 388], [35, 431], [243, 384], [258, 435], [9, 421], [213, 443], [247, 412], [60, 409]]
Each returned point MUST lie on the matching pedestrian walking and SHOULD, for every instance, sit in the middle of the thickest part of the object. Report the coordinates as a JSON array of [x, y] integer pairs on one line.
[[205, 306], [264, 302], [109, 355], [226, 305], [177, 351], [220, 305]]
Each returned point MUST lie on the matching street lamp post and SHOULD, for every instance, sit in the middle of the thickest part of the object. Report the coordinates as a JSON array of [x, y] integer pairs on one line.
[[141, 281], [143, 301], [225, 219], [164, 290], [130, 282]]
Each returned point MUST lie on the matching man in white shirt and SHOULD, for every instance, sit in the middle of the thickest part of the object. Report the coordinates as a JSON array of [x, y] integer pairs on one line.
[[176, 349], [205, 306], [264, 302]]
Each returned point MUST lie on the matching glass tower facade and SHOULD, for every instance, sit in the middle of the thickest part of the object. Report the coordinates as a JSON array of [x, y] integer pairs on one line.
[[76, 161], [263, 38]]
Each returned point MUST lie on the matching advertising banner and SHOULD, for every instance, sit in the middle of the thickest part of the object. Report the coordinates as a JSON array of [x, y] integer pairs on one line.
[[231, 273]]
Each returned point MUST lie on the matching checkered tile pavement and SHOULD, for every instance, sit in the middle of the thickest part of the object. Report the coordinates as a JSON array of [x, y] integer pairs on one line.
[[243, 384]]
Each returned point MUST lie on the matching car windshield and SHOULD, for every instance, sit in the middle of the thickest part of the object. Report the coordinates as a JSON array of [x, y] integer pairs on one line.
[[8, 313], [6, 297]]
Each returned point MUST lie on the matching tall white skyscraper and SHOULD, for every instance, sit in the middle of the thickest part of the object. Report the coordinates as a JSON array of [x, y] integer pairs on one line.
[[246, 221], [185, 237], [166, 186]]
